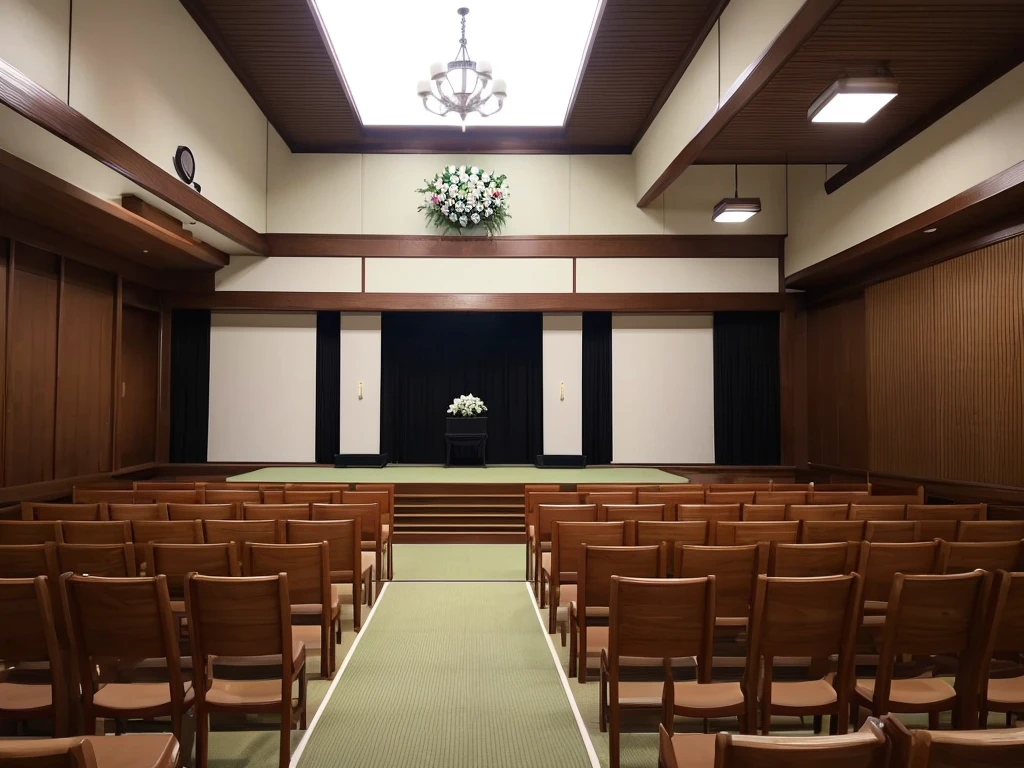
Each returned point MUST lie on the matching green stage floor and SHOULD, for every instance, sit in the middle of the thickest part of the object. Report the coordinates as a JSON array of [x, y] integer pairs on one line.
[[507, 474]]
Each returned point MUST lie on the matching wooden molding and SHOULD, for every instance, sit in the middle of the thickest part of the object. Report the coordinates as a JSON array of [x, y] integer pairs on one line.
[[56, 489], [803, 24], [530, 246], [477, 302], [48, 111]]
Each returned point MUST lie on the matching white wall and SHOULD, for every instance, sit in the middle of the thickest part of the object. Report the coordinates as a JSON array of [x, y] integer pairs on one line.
[[360, 362], [262, 387], [467, 275], [301, 274], [563, 365], [663, 402], [636, 275]]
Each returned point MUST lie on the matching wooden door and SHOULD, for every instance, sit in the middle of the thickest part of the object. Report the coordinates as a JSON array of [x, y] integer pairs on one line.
[[140, 344]]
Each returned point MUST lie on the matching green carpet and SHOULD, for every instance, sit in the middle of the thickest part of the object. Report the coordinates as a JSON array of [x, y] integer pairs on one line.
[[511, 474], [460, 562], [449, 676]]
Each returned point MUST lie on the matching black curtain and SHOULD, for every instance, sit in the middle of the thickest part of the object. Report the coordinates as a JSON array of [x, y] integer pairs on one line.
[[597, 387], [328, 386], [746, 353], [430, 358], [190, 384]]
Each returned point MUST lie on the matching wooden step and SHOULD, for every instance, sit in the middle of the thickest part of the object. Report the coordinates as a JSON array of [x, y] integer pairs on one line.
[[404, 522], [452, 537]]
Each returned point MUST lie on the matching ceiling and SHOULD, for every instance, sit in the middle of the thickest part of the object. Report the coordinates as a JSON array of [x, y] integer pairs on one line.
[[276, 48]]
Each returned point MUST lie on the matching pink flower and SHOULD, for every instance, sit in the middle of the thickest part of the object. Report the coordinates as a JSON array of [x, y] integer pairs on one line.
[[435, 199], [497, 193]]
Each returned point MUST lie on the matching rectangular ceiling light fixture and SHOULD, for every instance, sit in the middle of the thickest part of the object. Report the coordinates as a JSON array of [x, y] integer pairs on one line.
[[853, 100], [733, 210]]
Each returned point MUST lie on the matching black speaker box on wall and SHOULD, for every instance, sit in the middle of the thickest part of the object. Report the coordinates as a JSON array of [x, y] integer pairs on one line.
[[560, 461], [360, 459]]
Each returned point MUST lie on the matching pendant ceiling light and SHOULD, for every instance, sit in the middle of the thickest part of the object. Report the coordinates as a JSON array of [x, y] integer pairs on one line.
[[463, 86], [735, 209]]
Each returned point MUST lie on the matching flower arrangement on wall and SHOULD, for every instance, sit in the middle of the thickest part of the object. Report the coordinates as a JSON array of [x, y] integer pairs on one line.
[[467, 406], [462, 198]]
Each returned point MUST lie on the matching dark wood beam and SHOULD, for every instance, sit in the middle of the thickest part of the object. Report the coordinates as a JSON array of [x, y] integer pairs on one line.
[[803, 24], [47, 111], [530, 246], [598, 18]]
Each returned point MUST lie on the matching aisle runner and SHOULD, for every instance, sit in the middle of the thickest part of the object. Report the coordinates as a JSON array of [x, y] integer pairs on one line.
[[453, 675], [460, 562]]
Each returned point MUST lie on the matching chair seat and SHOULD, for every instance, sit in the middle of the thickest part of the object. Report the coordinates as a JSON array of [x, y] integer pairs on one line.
[[240, 693], [806, 694], [593, 611], [129, 697], [694, 750], [876, 606], [136, 750], [1006, 690], [24, 697], [369, 560], [274, 660], [691, 695], [314, 609], [912, 692]]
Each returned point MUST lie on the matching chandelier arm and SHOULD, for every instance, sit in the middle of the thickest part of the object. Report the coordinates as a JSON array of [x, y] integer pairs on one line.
[[495, 111], [438, 112]]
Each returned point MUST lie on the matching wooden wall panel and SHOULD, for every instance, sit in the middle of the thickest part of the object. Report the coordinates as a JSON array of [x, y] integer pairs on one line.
[[946, 369], [140, 353], [31, 366], [84, 384], [837, 404]]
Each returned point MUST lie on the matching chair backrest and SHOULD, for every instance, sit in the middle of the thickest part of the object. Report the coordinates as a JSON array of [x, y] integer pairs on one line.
[[597, 565], [763, 513], [837, 497], [129, 512], [275, 511], [110, 560], [1006, 617], [29, 531], [26, 561], [897, 498], [780, 497], [605, 499], [96, 531], [176, 561], [684, 487], [242, 532], [739, 487], [163, 485], [570, 513], [236, 497], [167, 532], [823, 531], [535, 498], [710, 514], [967, 556], [990, 530], [893, 531], [966, 749], [32, 510], [585, 488], [307, 566], [367, 515], [567, 539], [102, 495], [729, 497], [306, 496], [230, 486], [940, 521], [868, 511], [736, 534], [671, 499], [848, 487], [670, 531], [387, 513], [343, 538], [808, 560], [635, 512], [224, 511], [662, 618], [879, 564], [735, 570], [384, 500], [834, 512], [866, 748], [66, 752], [170, 495], [805, 487]]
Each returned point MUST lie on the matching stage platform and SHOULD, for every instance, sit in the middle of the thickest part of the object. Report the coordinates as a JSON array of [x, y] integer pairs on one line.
[[409, 474]]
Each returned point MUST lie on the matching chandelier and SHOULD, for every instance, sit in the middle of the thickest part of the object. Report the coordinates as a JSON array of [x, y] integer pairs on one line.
[[463, 86]]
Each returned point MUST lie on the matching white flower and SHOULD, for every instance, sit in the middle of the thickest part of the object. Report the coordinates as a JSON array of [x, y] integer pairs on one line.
[[462, 169], [474, 170], [475, 218], [454, 188], [485, 178], [463, 177], [438, 183], [453, 217], [445, 209], [470, 199], [460, 207], [451, 169], [463, 221], [479, 208]]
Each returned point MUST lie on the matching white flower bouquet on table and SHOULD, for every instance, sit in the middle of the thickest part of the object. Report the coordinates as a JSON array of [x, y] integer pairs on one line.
[[467, 405], [462, 198]]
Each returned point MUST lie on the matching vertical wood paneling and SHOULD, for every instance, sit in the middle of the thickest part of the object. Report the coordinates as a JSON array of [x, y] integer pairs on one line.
[[84, 351], [5, 264], [31, 367], [946, 369], [137, 422]]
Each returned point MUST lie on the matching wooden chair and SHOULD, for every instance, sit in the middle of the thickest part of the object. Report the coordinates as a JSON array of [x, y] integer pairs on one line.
[[825, 531], [739, 487], [671, 499], [809, 560], [169, 496], [96, 532], [109, 560], [29, 531], [26, 561], [813, 617], [831, 512], [124, 619], [837, 497], [309, 587], [805, 487], [177, 561], [892, 531], [275, 511], [30, 636], [729, 497], [597, 564], [546, 515], [225, 511], [236, 497], [737, 534], [385, 500], [634, 512], [967, 556], [764, 513], [735, 570], [844, 487], [670, 533], [929, 616], [163, 485], [32, 510], [866, 748], [225, 485], [137, 750], [338, 487], [611, 498], [953, 749], [244, 617], [584, 488], [682, 487], [370, 526], [878, 511], [242, 532], [780, 497], [349, 565], [990, 530], [163, 532], [296, 496], [940, 521], [879, 564], [102, 495], [532, 500], [1005, 639], [131, 512], [710, 514], [662, 619], [387, 513], [562, 570]]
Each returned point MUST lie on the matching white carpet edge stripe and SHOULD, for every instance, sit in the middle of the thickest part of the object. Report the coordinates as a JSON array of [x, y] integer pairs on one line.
[[293, 763], [584, 734]]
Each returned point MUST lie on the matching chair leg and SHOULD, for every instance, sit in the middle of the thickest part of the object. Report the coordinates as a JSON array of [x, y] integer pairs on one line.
[[202, 737], [613, 736], [188, 736], [552, 610], [285, 754], [817, 725], [603, 703], [933, 721]]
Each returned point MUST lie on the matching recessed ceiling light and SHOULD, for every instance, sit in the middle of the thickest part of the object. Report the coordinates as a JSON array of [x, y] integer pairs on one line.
[[930, 230], [853, 100], [145, 251], [733, 210]]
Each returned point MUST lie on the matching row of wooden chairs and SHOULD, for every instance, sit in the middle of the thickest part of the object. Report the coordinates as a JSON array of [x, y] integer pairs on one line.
[[136, 750], [969, 618]]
